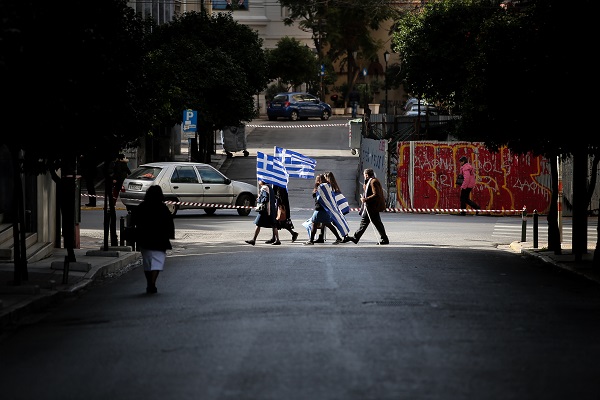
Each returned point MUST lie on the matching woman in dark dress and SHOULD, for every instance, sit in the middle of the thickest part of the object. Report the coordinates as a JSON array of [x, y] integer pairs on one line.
[[154, 227], [281, 198], [266, 218]]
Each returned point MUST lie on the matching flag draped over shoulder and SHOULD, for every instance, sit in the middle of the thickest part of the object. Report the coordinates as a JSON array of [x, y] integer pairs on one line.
[[297, 165], [342, 203], [326, 198], [270, 170]]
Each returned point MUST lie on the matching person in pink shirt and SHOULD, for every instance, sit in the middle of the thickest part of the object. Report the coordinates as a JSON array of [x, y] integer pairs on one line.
[[467, 186]]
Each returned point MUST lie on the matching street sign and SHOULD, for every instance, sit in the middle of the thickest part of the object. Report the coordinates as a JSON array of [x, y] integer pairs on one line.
[[190, 118], [322, 69]]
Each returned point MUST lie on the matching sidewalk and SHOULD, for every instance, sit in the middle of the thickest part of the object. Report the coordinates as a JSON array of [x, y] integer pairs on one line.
[[565, 261], [49, 282]]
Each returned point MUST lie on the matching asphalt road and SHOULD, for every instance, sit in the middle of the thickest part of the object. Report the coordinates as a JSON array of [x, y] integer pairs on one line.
[[443, 312]]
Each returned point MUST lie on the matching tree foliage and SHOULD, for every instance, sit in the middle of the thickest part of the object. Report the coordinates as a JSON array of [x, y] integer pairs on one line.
[[504, 68], [341, 27], [69, 79], [197, 66], [292, 63]]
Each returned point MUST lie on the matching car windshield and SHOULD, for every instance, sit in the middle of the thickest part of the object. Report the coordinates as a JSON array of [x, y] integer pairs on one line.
[[145, 173], [280, 97]]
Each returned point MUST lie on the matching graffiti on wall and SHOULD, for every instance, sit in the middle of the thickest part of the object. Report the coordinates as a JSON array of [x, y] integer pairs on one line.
[[426, 172]]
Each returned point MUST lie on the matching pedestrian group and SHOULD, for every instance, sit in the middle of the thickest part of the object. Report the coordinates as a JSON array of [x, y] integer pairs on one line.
[[330, 208]]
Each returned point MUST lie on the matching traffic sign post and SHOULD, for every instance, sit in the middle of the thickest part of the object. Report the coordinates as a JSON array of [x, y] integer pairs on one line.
[[188, 127]]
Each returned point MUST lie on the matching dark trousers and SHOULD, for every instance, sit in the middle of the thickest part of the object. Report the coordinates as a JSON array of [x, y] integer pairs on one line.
[[354, 105], [91, 189], [364, 224], [465, 198]]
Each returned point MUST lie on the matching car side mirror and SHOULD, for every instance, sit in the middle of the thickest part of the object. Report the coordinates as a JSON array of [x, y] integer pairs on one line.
[[227, 181]]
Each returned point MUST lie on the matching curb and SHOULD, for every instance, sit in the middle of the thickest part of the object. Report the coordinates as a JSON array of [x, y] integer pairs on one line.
[[39, 299]]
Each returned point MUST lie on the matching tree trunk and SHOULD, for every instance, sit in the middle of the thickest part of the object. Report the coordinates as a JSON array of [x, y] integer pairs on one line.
[[580, 171], [19, 247], [552, 217], [67, 207]]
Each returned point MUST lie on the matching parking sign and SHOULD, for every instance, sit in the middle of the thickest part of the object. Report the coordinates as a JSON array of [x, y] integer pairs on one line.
[[190, 118]]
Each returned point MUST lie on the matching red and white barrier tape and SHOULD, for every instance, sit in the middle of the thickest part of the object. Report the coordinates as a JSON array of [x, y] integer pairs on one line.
[[389, 209], [294, 126]]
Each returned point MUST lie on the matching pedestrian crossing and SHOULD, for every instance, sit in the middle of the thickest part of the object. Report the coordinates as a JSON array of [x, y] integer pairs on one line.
[[508, 231]]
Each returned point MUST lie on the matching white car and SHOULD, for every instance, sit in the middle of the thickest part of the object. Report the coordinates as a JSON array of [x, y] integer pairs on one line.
[[425, 110], [189, 185]]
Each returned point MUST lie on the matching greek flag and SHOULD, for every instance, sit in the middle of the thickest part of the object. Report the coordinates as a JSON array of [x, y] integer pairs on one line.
[[326, 198], [270, 170], [297, 165], [342, 203]]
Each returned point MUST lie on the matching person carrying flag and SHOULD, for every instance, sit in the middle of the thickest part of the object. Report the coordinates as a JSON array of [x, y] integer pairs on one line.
[[281, 198], [341, 201], [266, 216], [324, 201]]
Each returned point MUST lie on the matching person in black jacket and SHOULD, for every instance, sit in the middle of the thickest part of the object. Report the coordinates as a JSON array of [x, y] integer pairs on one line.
[[266, 217], [373, 202], [154, 227], [281, 198]]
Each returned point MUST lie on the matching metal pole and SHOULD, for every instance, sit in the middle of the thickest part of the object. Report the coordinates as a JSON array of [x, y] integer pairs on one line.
[[535, 229], [524, 225], [386, 55], [560, 200], [122, 231]]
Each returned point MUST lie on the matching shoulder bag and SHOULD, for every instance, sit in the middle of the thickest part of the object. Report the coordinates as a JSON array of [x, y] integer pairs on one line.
[[460, 179]]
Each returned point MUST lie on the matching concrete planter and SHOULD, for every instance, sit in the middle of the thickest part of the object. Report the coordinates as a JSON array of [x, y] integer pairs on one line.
[[337, 111], [374, 108]]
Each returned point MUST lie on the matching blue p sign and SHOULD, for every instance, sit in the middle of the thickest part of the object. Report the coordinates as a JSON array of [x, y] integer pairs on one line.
[[189, 120]]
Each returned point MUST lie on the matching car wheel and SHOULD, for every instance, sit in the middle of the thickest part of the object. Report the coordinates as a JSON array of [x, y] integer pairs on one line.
[[294, 116], [325, 116], [245, 201], [173, 208], [210, 211]]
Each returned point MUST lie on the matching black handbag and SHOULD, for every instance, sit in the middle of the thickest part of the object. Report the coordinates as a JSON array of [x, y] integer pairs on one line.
[[460, 179]]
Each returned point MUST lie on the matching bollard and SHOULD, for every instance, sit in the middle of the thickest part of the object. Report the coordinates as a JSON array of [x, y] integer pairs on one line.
[[121, 231], [129, 241], [524, 225], [65, 279], [535, 229]]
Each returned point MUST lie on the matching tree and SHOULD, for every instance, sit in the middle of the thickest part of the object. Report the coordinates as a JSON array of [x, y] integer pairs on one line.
[[81, 94], [293, 63], [497, 57], [436, 43], [211, 64], [342, 28]]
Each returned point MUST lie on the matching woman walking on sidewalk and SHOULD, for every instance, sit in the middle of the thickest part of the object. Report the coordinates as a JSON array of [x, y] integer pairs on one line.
[[466, 170], [154, 227]]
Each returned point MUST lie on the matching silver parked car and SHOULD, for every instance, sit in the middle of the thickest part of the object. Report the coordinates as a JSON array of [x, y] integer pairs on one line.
[[189, 185]]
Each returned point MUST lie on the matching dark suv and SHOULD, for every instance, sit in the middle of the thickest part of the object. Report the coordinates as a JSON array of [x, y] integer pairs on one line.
[[296, 106]]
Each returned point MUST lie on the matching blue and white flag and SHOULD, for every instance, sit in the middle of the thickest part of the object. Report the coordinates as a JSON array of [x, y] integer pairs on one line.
[[326, 198], [342, 203], [297, 165], [270, 170]]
